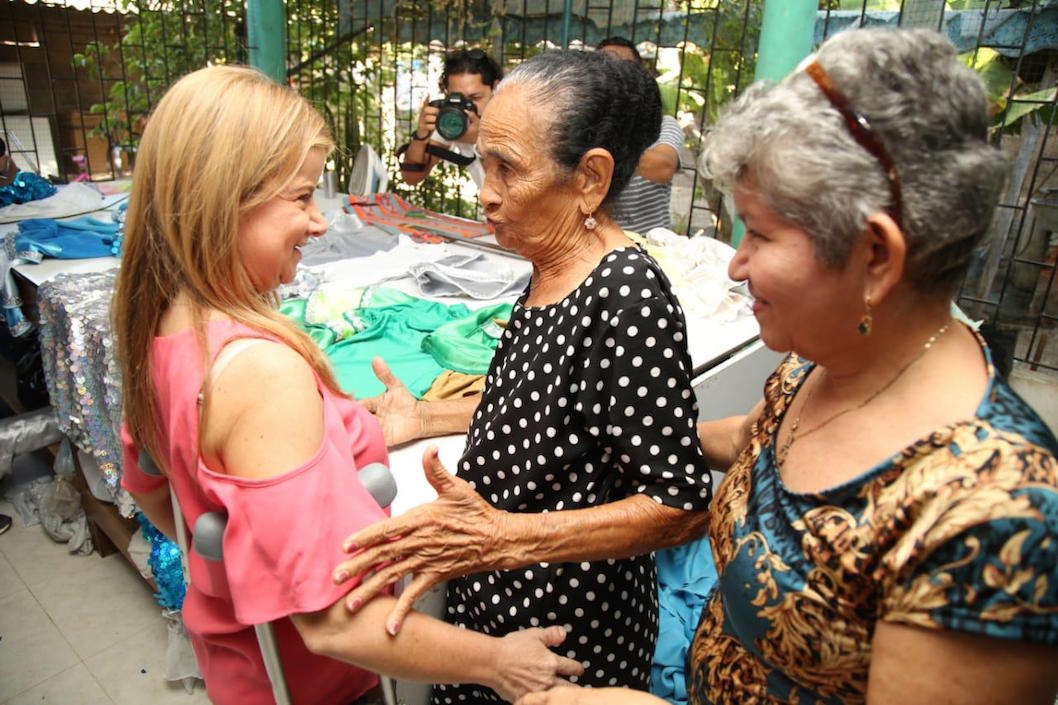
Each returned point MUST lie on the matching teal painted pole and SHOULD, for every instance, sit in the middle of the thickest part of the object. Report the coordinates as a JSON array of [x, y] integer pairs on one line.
[[567, 17], [266, 25], [786, 33]]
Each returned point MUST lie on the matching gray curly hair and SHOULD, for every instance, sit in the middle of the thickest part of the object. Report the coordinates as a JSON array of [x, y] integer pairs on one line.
[[930, 112]]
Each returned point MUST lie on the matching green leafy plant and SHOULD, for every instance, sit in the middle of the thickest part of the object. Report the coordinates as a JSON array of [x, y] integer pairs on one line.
[[1011, 99], [351, 72], [156, 46]]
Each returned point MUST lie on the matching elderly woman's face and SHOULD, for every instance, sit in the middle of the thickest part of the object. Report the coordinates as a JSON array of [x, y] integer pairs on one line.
[[524, 198], [800, 304]]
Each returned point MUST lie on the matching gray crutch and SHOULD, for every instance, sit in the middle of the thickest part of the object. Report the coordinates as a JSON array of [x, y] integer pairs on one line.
[[208, 541]]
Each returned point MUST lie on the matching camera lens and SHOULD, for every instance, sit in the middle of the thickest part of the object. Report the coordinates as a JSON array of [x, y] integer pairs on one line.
[[451, 123]]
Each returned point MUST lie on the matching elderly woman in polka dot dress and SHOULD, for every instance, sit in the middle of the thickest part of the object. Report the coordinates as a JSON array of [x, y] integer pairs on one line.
[[582, 455]]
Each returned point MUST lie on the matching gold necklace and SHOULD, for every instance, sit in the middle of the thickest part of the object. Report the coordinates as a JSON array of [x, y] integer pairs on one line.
[[784, 450]]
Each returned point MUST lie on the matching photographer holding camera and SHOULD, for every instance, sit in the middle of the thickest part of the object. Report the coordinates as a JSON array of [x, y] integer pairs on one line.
[[448, 127]]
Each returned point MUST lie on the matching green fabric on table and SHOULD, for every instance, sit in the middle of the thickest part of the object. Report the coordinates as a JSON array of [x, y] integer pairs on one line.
[[467, 344], [295, 310], [329, 307], [395, 333], [418, 339]]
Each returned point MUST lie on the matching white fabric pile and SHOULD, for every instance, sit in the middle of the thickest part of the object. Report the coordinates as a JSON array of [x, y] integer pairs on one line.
[[697, 268]]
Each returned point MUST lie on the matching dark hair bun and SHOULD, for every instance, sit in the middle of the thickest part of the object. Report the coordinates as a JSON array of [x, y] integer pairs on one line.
[[596, 101]]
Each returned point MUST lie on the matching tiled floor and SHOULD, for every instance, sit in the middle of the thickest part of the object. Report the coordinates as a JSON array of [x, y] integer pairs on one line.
[[78, 630]]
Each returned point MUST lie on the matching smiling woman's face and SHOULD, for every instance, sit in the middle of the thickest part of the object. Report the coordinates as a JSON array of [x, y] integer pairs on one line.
[[800, 304], [271, 234], [525, 198]]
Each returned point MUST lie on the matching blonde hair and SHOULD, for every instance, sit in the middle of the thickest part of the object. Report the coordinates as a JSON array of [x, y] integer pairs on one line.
[[221, 141]]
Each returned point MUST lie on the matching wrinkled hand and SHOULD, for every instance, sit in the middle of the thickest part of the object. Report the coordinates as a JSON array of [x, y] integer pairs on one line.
[[456, 534], [526, 664], [427, 118], [396, 409]]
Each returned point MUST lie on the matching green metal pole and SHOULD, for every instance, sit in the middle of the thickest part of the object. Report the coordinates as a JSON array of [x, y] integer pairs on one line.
[[567, 16], [266, 25], [786, 34]]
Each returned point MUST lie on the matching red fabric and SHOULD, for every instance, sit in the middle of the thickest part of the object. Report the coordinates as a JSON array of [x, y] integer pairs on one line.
[[390, 212], [283, 538]]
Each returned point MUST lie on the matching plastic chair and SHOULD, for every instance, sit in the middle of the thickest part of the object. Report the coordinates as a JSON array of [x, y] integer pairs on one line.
[[208, 540]]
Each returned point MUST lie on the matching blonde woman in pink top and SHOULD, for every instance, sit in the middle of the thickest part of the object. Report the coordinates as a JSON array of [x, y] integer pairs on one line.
[[243, 415]]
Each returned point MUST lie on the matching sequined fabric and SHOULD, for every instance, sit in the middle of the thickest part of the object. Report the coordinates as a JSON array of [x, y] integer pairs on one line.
[[26, 187], [80, 364], [10, 302]]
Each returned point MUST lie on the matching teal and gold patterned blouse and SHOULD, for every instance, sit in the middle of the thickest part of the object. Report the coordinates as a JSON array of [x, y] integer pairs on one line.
[[959, 531]]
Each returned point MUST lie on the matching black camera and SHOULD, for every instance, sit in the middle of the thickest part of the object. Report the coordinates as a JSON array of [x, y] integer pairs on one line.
[[452, 121]]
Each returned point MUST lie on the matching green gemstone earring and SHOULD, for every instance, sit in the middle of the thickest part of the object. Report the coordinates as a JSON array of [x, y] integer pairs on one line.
[[866, 320]]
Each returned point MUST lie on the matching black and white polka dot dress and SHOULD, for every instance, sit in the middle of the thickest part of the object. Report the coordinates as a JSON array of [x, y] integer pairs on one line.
[[588, 401]]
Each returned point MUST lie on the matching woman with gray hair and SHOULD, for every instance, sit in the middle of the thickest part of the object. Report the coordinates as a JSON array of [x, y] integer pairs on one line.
[[583, 445], [888, 529]]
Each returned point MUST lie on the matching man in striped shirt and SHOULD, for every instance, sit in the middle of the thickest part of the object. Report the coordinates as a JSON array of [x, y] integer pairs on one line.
[[644, 203]]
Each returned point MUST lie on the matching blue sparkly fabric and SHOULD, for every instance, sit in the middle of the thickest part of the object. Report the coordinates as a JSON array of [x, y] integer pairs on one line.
[[119, 218], [164, 560], [25, 187]]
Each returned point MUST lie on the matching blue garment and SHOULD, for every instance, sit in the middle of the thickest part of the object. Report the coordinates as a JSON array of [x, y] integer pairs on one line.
[[686, 575], [36, 238], [77, 238], [956, 532], [26, 187]]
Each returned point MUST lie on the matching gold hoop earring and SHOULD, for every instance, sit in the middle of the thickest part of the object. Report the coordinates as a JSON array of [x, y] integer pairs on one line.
[[590, 223], [867, 320]]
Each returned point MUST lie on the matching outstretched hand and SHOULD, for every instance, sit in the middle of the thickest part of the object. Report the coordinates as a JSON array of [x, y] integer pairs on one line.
[[396, 409], [526, 664], [457, 534]]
